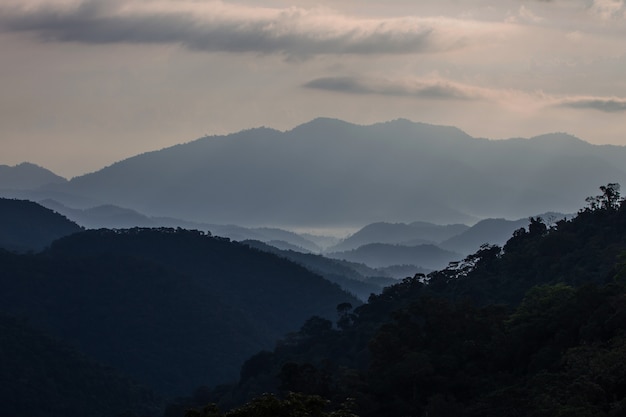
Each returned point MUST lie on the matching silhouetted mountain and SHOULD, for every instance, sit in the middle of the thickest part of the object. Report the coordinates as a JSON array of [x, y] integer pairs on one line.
[[329, 173], [41, 377], [491, 231], [25, 225], [174, 309], [377, 255], [536, 328], [104, 216], [27, 176], [114, 217], [416, 233]]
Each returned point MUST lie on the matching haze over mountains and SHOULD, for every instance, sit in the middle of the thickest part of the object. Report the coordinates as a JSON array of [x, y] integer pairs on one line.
[[175, 309], [329, 173]]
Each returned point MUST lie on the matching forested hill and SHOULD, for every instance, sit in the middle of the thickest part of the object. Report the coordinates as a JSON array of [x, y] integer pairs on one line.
[[537, 328], [25, 225], [172, 308], [42, 377]]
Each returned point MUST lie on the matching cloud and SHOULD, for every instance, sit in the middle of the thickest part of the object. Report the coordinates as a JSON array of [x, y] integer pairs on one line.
[[217, 26], [608, 9], [442, 89], [524, 14], [427, 89], [607, 105]]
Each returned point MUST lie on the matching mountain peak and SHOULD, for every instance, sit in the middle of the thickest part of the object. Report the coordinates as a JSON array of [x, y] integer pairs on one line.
[[559, 137], [322, 123], [27, 175]]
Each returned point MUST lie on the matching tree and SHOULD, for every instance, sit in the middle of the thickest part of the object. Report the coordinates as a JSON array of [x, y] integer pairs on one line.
[[609, 199], [345, 318]]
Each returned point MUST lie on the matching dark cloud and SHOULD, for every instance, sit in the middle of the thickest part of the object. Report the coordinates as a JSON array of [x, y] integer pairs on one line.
[[424, 89], [612, 105], [287, 32]]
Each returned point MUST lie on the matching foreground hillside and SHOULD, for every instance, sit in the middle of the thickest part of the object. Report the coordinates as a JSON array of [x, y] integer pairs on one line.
[[536, 328], [39, 376], [174, 309]]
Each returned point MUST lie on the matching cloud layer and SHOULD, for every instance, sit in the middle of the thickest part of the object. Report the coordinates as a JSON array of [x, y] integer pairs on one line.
[[429, 89], [448, 90], [607, 105], [216, 26]]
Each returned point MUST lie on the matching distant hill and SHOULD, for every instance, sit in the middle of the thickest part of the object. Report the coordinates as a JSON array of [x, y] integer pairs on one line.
[[491, 231], [25, 225], [357, 279], [379, 255], [41, 377], [104, 216], [114, 217], [328, 173], [412, 234], [27, 176], [174, 309]]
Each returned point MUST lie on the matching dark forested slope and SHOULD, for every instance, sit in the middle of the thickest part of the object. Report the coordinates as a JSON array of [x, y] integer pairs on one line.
[[537, 328], [25, 225], [173, 308], [41, 377]]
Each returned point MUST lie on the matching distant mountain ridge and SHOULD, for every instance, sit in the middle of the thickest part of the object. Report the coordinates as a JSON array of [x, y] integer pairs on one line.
[[399, 233], [27, 176], [114, 217], [329, 173], [380, 255]]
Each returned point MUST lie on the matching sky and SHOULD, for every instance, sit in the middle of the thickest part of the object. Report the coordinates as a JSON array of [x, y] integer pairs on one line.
[[86, 83]]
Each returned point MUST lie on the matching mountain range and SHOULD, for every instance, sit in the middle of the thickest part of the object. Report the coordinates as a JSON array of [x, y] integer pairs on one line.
[[329, 173], [130, 298]]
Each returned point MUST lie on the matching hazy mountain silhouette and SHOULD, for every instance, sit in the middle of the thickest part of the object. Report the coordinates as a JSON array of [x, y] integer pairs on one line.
[[25, 225], [412, 234], [104, 216], [115, 217], [493, 232], [357, 279], [328, 173], [378, 255], [27, 176]]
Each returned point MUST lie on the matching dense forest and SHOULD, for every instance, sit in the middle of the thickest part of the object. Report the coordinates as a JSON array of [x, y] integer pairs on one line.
[[169, 308], [535, 328], [43, 377]]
